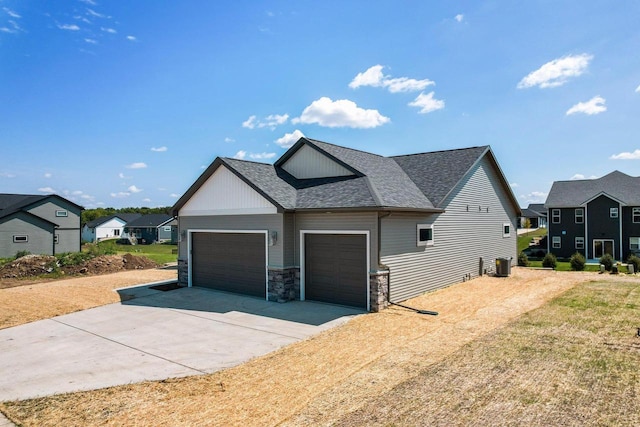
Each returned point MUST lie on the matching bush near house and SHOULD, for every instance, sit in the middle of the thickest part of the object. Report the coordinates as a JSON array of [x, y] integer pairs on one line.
[[523, 260], [577, 262], [549, 261], [607, 261], [635, 261]]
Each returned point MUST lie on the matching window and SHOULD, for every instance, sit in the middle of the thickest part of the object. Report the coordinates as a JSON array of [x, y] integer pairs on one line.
[[56, 239], [167, 228], [506, 229], [613, 212], [579, 242], [555, 216], [635, 213], [62, 213], [579, 216], [634, 243], [20, 238], [555, 242], [425, 235], [116, 232]]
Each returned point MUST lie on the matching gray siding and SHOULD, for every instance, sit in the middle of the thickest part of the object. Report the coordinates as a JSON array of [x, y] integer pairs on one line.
[[271, 222], [339, 221], [39, 234], [289, 240], [68, 227], [470, 228]]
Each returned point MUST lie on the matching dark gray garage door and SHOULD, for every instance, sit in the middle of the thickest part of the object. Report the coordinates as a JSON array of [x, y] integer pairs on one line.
[[336, 269], [233, 262]]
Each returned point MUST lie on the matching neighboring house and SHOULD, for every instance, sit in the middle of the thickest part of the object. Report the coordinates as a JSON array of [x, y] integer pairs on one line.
[[595, 216], [43, 225], [107, 227], [333, 224], [147, 229], [536, 214]]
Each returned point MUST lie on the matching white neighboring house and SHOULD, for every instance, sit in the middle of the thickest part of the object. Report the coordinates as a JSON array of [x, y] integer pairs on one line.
[[107, 227]]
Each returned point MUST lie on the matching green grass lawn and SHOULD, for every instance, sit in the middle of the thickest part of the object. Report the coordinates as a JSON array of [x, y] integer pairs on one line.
[[525, 239], [159, 253]]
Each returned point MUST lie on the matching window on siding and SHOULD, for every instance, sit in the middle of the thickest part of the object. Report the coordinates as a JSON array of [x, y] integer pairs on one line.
[[425, 235], [636, 215], [634, 243], [555, 242], [579, 242], [506, 229], [579, 216], [61, 213], [167, 228], [613, 212], [20, 238], [116, 232], [555, 216]]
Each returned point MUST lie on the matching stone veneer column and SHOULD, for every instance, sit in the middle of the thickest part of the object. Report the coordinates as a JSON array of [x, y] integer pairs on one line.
[[183, 273], [284, 284], [379, 290]]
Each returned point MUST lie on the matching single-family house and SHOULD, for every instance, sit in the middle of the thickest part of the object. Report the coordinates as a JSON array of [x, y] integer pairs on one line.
[[536, 214], [595, 216], [38, 224], [333, 224], [147, 229], [107, 227]]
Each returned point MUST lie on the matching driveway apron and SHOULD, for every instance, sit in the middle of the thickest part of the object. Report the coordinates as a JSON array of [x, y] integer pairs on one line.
[[154, 336]]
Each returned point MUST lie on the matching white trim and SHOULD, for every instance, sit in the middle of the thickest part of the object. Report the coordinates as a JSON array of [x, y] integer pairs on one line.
[[553, 215], [219, 212], [556, 239], [266, 252], [302, 257], [506, 224], [62, 213], [613, 246], [424, 242]]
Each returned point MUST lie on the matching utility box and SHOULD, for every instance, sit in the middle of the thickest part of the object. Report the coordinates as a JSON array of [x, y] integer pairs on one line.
[[503, 267]]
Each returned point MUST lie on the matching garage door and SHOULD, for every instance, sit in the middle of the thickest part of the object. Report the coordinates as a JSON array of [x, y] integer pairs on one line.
[[232, 262], [336, 269]]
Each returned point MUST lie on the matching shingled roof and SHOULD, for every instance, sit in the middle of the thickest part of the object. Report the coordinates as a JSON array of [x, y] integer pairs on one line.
[[12, 203], [617, 185], [417, 182]]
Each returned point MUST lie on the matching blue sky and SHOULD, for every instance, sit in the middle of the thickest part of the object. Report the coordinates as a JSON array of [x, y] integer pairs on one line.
[[113, 103]]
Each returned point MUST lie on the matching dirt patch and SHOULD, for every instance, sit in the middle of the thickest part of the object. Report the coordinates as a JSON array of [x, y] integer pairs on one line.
[[26, 269], [320, 380]]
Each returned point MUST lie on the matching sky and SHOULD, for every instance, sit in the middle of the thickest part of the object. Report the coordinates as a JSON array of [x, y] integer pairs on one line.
[[124, 103]]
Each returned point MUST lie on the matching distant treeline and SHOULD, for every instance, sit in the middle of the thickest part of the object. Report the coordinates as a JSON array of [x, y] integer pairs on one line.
[[91, 214]]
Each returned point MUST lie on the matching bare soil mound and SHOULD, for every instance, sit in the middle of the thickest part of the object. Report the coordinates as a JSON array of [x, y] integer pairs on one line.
[[38, 265]]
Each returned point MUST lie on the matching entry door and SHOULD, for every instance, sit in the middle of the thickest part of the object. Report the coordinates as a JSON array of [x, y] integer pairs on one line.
[[601, 247]]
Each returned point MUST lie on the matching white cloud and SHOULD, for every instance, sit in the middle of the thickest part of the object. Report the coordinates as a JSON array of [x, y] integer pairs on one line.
[[459, 17], [576, 177], [534, 197], [6, 175], [635, 155], [46, 190], [271, 121], [374, 77], [87, 197], [593, 106], [71, 27], [120, 195], [138, 165], [557, 72], [91, 41], [427, 103], [47, 175], [340, 113], [240, 155], [250, 123], [134, 189], [11, 13], [131, 38], [638, 89], [122, 176], [261, 156], [96, 14], [227, 139], [514, 185], [108, 30], [174, 195], [289, 139], [159, 149], [89, 2], [147, 200]]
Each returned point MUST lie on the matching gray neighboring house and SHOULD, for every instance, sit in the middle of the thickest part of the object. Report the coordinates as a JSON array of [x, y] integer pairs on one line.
[[536, 213], [332, 224], [43, 225], [152, 228], [107, 227], [595, 216]]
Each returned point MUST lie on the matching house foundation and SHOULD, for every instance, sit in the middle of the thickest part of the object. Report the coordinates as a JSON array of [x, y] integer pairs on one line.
[[379, 290]]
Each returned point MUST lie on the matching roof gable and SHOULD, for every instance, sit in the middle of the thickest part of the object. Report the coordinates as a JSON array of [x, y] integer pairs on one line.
[[151, 220], [308, 162], [615, 185]]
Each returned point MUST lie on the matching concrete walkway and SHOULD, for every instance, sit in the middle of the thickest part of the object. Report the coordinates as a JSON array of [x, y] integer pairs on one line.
[[156, 335]]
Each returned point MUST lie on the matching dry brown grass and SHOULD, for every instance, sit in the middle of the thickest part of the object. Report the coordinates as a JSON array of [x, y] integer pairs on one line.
[[320, 380], [38, 301]]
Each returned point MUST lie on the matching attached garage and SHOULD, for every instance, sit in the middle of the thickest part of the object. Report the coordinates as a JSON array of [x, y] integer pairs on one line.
[[336, 269], [229, 261]]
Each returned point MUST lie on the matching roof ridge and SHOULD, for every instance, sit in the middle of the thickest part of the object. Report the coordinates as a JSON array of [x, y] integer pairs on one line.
[[440, 151], [246, 161], [345, 148]]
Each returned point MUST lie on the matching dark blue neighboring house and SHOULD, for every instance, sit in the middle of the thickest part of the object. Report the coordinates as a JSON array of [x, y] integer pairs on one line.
[[147, 229]]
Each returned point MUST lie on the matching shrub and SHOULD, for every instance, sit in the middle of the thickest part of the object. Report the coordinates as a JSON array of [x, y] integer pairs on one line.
[[20, 254], [523, 261], [549, 261], [73, 258], [607, 261], [577, 261], [635, 261]]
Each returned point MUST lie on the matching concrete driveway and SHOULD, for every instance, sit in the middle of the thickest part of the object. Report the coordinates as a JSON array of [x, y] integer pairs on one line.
[[152, 335]]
